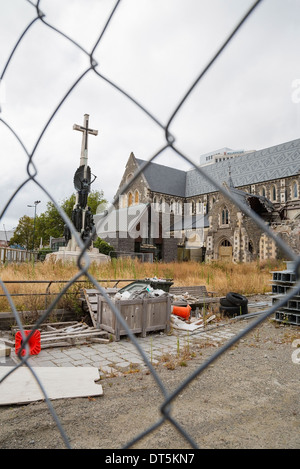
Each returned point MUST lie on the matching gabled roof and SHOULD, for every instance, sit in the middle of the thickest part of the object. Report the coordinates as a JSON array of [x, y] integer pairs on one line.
[[276, 162], [164, 179]]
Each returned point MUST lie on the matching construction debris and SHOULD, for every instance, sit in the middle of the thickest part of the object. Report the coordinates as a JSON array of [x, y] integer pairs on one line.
[[21, 387], [145, 292], [187, 298], [193, 295], [69, 333], [181, 297], [4, 350], [191, 325]]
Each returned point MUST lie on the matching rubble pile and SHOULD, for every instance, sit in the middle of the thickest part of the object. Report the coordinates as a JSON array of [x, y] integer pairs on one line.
[[180, 321], [191, 324], [146, 292], [184, 298]]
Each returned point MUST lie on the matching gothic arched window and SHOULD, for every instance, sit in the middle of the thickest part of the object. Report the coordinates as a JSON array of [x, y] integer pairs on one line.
[[225, 216], [295, 190], [136, 197]]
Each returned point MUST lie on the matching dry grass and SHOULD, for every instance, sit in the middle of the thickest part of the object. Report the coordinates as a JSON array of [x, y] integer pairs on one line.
[[247, 279]]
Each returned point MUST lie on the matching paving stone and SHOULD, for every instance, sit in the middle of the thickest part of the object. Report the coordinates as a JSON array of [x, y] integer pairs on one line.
[[130, 355], [102, 362], [108, 370], [76, 356], [81, 362], [61, 359], [122, 366], [123, 354], [63, 364], [43, 363]]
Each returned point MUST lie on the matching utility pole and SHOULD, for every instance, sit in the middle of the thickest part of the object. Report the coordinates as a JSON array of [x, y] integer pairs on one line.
[[35, 204]]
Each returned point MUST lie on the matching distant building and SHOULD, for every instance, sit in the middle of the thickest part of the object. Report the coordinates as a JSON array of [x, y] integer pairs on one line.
[[221, 155], [5, 237], [180, 215], [56, 243]]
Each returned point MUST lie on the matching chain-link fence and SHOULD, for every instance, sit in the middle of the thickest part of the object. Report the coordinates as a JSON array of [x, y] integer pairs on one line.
[[83, 260]]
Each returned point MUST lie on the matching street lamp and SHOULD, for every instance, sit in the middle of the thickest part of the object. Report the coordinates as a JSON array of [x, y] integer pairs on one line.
[[35, 204]]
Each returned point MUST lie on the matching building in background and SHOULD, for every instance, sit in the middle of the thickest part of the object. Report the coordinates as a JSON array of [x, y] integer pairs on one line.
[[221, 155], [5, 237], [180, 215]]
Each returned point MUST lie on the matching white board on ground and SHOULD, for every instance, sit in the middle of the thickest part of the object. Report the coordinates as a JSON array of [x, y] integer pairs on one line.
[[21, 387]]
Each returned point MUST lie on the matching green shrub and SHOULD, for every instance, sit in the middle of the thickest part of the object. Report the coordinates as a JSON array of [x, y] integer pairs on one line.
[[103, 246]]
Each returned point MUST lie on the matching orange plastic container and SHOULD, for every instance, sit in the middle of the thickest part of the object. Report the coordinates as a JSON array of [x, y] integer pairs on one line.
[[182, 311], [34, 343]]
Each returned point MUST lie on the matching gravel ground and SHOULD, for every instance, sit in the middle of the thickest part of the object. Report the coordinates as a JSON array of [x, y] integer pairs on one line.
[[247, 399]]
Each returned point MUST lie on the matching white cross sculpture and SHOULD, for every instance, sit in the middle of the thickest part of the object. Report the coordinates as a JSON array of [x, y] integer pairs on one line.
[[84, 145]]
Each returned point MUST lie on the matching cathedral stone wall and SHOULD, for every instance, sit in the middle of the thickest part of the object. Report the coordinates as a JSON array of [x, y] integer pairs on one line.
[[137, 192], [231, 233]]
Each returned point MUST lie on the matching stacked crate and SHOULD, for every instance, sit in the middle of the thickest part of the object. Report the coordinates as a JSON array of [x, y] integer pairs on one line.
[[282, 282]]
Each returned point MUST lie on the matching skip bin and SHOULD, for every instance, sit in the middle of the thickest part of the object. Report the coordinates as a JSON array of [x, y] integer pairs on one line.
[[140, 315]]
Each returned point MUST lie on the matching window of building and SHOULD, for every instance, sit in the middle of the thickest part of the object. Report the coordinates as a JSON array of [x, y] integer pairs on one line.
[[274, 193], [225, 216], [295, 190], [129, 176], [136, 197], [193, 208], [172, 206], [129, 199], [226, 243]]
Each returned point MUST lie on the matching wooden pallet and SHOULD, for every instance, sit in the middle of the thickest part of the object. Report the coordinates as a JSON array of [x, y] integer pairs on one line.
[[91, 300], [66, 334]]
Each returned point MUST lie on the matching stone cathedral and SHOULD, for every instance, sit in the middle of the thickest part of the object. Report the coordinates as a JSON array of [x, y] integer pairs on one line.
[[179, 215]]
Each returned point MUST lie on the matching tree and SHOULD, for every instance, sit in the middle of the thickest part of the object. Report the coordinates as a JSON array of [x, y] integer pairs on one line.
[[95, 198], [51, 224], [23, 235]]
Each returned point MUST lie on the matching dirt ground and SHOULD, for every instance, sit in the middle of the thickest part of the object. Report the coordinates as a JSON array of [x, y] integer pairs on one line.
[[247, 399]]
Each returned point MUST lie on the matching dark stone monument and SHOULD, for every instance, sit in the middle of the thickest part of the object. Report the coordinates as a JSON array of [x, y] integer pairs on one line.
[[82, 217]]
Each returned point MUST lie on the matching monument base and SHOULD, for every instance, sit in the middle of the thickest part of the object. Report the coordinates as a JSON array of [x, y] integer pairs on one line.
[[66, 255]]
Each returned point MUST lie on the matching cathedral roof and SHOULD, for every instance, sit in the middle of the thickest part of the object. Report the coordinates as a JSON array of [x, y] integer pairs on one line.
[[164, 179], [271, 163], [276, 162]]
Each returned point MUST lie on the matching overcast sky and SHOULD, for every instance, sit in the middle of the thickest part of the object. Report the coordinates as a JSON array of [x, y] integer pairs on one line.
[[154, 50]]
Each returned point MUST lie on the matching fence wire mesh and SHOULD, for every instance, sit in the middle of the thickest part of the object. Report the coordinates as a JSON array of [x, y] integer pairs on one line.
[[84, 261]]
